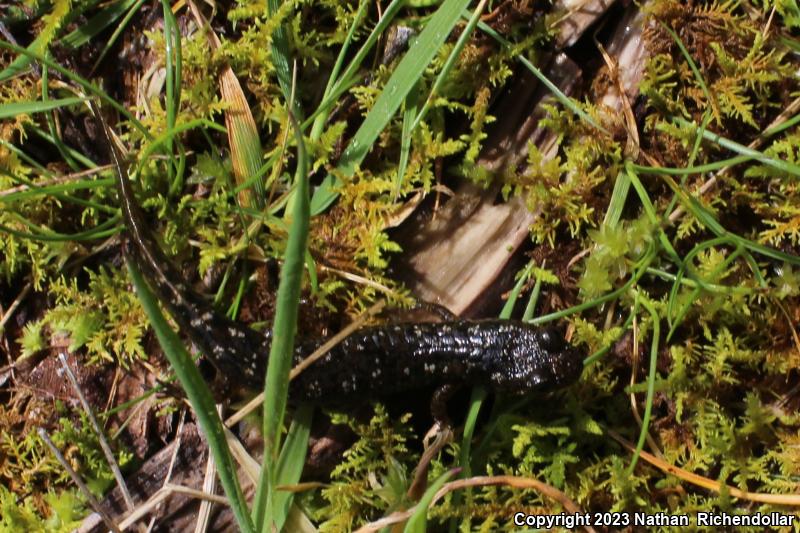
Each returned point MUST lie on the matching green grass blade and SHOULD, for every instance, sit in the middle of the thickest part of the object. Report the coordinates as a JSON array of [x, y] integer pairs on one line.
[[565, 100], [156, 143], [44, 171], [86, 85], [651, 213], [405, 142], [280, 59], [172, 41], [779, 164], [707, 219], [291, 461], [600, 353], [74, 154], [30, 108], [348, 78], [200, 398], [651, 382], [451, 61], [117, 32], [321, 117], [508, 307], [679, 277], [403, 79], [100, 231], [681, 313], [58, 189], [97, 24], [476, 400], [781, 127], [618, 198], [419, 520], [638, 271], [284, 329], [789, 42], [530, 308], [21, 62], [311, 267], [700, 169], [51, 123], [698, 143]]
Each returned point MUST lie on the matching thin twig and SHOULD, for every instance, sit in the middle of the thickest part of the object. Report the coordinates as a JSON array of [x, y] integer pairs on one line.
[[15, 304], [359, 279], [93, 503], [112, 462]]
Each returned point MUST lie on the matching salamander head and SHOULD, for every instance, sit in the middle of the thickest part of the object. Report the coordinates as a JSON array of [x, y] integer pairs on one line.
[[537, 360]]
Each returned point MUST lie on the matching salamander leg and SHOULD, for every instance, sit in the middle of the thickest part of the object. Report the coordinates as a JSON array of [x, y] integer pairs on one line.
[[439, 405], [421, 311], [437, 437], [435, 309]]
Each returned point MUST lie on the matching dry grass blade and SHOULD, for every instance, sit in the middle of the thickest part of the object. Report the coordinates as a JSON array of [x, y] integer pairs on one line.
[[163, 493], [171, 467], [336, 339], [706, 483], [15, 304], [243, 139], [209, 487], [319, 352], [250, 466], [481, 481], [444, 436]]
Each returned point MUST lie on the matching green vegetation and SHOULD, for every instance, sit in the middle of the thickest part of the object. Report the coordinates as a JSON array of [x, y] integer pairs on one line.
[[32, 483], [686, 298]]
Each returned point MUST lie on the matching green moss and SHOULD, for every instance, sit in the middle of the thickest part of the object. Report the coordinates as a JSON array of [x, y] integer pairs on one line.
[[35, 493], [372, 477]]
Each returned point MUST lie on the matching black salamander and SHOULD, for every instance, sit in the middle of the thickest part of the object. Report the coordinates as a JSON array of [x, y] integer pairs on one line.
[[373, 362]]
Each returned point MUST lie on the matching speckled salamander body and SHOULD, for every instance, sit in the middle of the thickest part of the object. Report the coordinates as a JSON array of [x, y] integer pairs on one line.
[[506, 355], [373, 361]]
